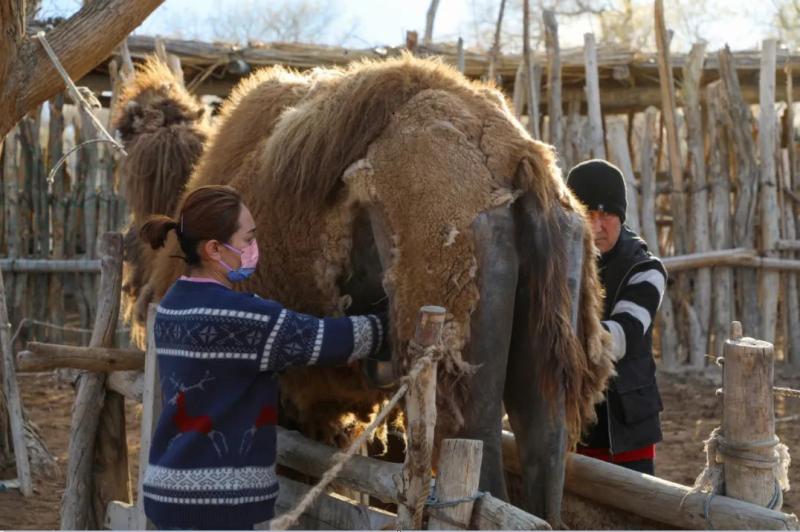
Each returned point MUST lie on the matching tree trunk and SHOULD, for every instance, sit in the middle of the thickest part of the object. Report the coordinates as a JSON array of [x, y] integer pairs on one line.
[[554, 84], [593, 97], [28, 78], [427, 40]]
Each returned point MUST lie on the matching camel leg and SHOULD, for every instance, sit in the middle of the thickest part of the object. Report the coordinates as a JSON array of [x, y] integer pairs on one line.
[[491, 324], [540, 427]]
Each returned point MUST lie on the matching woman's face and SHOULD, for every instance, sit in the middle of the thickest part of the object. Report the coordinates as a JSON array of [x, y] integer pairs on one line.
[[244, 235], [242, 238]]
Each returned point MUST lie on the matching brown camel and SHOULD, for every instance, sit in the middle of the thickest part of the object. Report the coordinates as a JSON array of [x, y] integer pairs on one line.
[[399, 183]]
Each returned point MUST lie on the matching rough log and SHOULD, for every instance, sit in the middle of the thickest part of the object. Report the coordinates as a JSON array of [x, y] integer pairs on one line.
[[55, 149], [699, 240], [430, 17], [151, 411], [621, 156], [490, 513], [596, 142], [494, 52], [360, 473], [770, 213], [458, 474], [28, 78], [657, 499], [721, 234], [420, 414], [738, 120], [554, 105], [666, 316], [331, 511], [50, 265], [748, 418], [78, 502], [10, 399], [129, 384], [47, 357]]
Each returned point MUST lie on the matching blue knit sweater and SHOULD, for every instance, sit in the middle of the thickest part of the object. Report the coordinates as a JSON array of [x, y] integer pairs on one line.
[[212, 456]]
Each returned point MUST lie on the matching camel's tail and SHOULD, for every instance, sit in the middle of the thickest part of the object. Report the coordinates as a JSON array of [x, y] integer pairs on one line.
[[581, 362]]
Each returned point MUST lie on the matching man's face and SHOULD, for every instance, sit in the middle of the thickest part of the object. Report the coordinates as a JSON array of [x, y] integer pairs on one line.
[[605, 229]]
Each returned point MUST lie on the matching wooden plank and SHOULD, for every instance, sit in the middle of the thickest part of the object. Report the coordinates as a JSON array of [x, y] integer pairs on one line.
[[374, 477], [151, 411], [490, 513], [11, 208], [129, 384], [656, 499], [554, 105], [13, 401], [699, 239], [647, 158], [46, 357], [620, 155], [678, 200], [458, 474], [596, 144], [748, 418], [50, 265], [77, 503], [420, 415], [770, 231], [738, 120], [721, 236], [331, 511]]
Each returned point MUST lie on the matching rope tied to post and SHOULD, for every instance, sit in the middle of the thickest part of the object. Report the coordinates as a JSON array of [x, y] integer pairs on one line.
[[718, 449], [424, 357]]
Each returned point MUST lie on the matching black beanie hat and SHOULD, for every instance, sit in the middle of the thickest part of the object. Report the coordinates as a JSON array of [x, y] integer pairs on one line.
[[600, 186]]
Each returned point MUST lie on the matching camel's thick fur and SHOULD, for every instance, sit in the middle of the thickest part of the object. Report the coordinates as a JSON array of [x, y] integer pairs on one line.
[[426, 151]]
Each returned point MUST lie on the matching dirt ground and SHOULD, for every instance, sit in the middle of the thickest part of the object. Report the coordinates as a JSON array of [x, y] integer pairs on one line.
[[691, 411]]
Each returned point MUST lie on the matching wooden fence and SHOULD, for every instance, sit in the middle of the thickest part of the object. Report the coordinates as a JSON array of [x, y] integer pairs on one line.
[[49, 227], [711, 188]]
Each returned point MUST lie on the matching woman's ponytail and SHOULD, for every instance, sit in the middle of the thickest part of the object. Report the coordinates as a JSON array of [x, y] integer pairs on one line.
[[154, 231]]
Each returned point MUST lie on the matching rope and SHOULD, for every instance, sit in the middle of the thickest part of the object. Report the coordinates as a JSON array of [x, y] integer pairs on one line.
[[429, 355]]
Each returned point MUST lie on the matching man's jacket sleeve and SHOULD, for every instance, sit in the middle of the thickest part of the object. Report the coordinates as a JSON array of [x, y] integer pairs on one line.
[[635, 308]]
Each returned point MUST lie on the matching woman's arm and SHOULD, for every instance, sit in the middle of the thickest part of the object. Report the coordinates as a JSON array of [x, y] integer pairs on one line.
[[301, 340]]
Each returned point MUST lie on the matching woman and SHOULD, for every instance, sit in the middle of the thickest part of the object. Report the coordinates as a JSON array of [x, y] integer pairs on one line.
[[212, 458]]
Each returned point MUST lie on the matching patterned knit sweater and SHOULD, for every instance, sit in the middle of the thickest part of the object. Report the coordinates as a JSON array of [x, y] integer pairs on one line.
[[212, 457]]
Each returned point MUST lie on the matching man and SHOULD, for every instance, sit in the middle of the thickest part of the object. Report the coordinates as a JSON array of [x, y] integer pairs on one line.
[[628, 425]]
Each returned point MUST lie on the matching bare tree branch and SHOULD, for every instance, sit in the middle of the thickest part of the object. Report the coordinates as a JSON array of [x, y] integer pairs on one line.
[[495, 51], [27, 77]]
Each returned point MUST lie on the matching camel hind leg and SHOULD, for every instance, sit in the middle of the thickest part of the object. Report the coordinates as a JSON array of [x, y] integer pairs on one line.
[[539, 423], [498, 267]]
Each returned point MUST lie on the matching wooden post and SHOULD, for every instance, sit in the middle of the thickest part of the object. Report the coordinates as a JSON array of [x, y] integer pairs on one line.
[[665, 317], [739, 121], [47, 357], [11, 185], [151, 411], [414, 483], [77, 505], [698, 214], [12, 399], [668, 115], [748, 419], [460, 59], [430, 17], [621, 156], [520, 94], [494, 53], [554, 84], [457, 478], [721, 234], [793, 292], [532, 75], [770, 231], [598, 147], [58, 201]]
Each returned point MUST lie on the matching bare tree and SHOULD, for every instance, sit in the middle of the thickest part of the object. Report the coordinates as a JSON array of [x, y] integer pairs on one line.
[[306, 21], [787, 20], [28, 78], [429, 19]]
